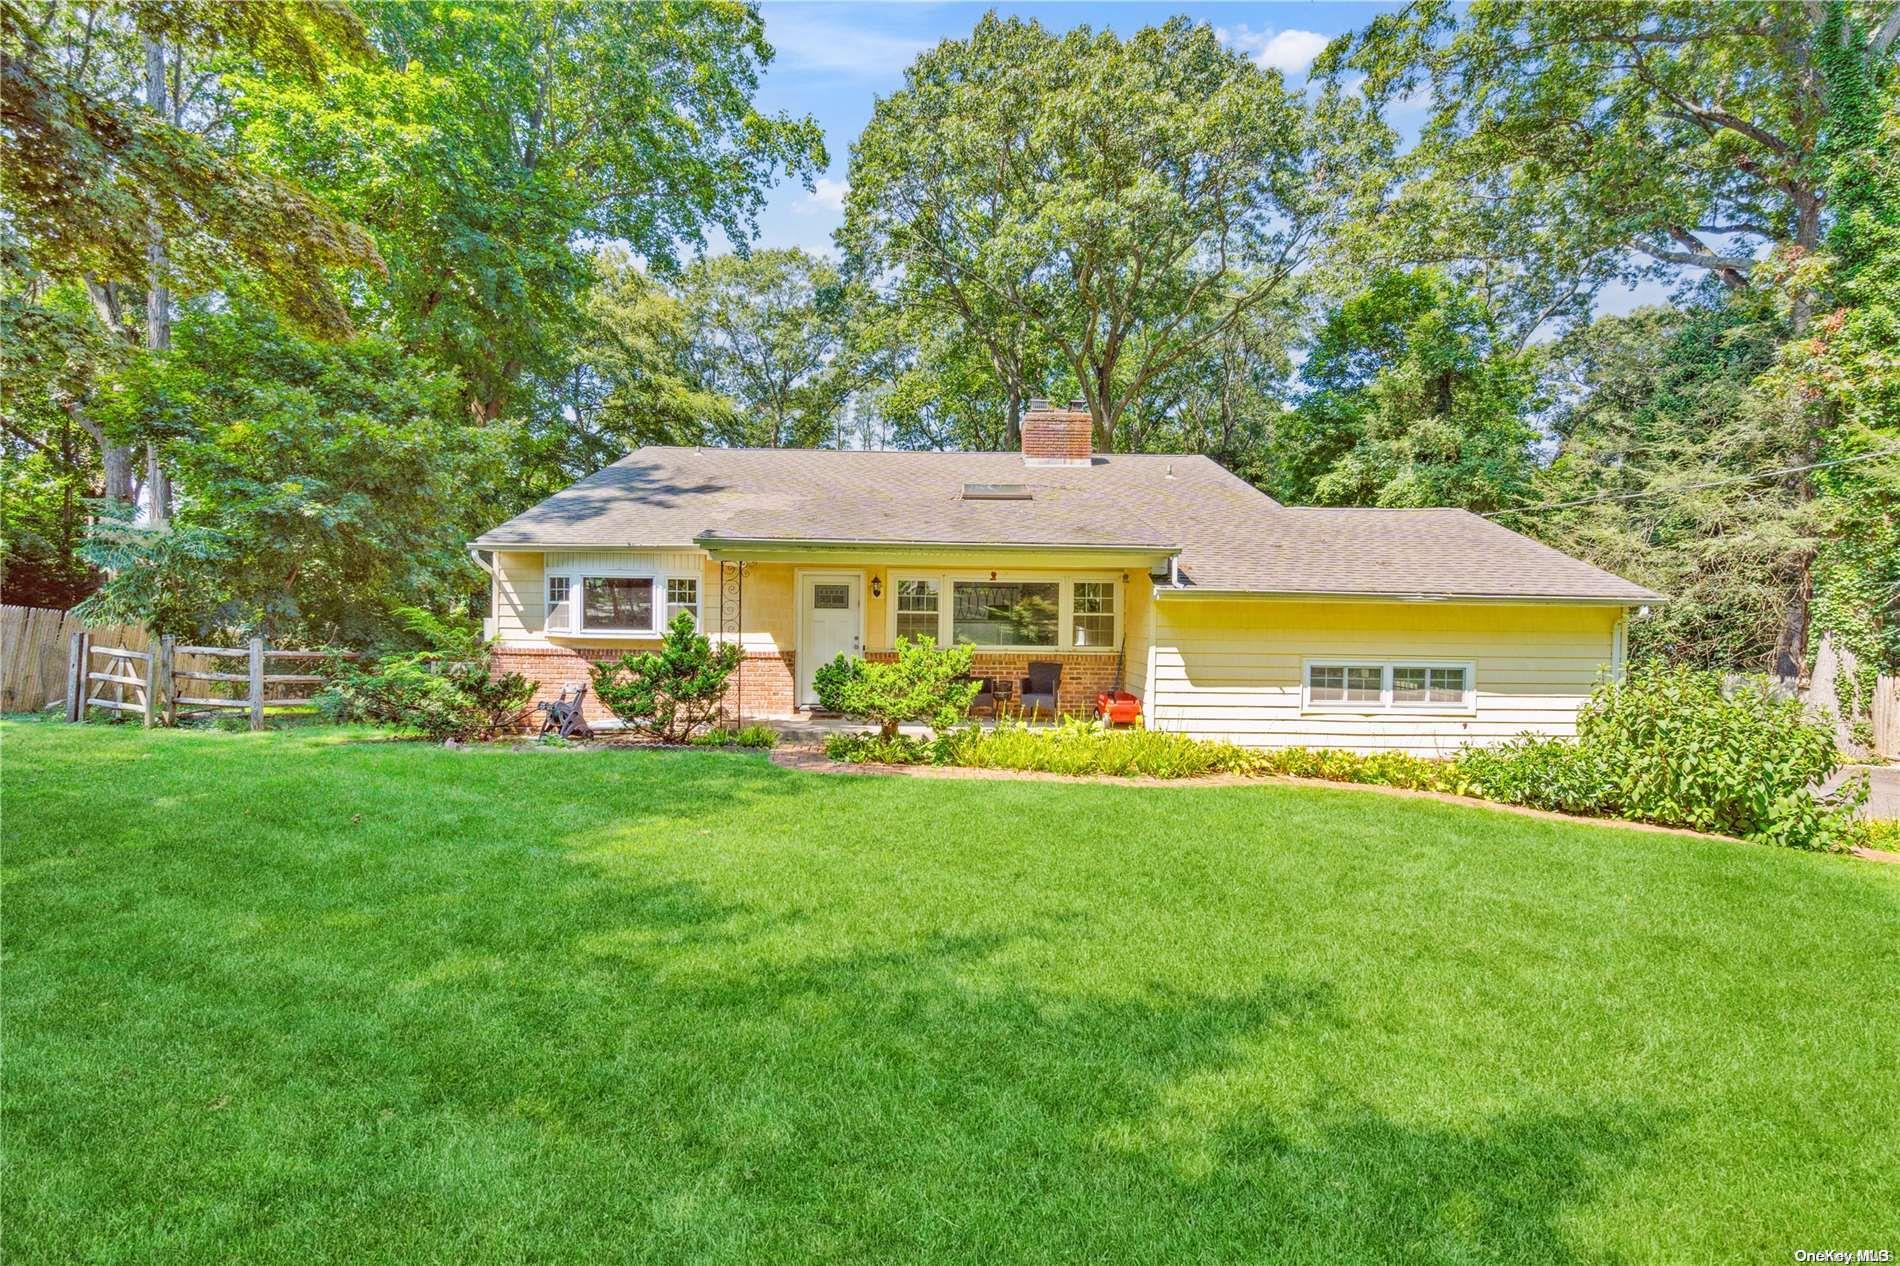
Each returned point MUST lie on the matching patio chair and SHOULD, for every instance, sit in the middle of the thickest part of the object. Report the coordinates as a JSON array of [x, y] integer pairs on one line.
[[1041, 687], [563, 716], [993, 694]]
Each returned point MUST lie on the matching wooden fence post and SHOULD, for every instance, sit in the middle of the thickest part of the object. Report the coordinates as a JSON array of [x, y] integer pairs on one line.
[[151, 683], [76, 677], [257, 683], [162, 656]]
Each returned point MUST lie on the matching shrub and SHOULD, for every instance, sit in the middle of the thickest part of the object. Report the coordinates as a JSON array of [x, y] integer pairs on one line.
[[447, 690], [879, 749], [671, 693], [926, 682], [750, 736], [1684, 751], [1381, 769], [1080, 747], [1679, 747], [1543, 773]]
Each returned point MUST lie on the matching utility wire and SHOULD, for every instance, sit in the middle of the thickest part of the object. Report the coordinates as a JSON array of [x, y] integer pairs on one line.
[[1713, 483]]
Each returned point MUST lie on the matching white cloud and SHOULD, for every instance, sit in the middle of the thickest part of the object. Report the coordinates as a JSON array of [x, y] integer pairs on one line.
[[1290, 51], [826, 195], [811, 38]]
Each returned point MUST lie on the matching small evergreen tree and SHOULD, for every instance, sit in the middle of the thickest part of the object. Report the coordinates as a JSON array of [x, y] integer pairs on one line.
[[924, 682], [674, 692]]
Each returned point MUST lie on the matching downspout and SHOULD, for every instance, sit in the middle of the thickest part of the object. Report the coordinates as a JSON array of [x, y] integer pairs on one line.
[[494, 596]]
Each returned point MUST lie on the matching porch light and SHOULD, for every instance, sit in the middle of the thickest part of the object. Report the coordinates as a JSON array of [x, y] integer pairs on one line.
[[877, 586]]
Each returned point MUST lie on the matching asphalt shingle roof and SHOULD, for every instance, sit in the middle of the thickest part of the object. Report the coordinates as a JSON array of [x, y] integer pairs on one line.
[[1229, 535]]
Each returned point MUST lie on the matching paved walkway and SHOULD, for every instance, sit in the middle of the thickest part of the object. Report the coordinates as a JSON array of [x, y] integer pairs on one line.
[[1883, 791]]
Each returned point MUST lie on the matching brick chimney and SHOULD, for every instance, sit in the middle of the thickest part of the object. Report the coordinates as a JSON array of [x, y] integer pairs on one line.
[[1054, 436]]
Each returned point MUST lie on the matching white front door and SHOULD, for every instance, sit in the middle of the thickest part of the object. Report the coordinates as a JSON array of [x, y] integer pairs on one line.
[[830, 624]]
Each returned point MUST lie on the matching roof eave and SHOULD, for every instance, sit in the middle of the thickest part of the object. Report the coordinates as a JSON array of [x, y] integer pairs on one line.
[[1378, 595], [713, 541]]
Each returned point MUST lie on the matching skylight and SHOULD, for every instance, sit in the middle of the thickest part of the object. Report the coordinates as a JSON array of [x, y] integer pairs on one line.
[[997, 492]]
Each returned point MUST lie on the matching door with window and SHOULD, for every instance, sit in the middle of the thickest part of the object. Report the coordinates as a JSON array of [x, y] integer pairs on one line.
[[830, 624]]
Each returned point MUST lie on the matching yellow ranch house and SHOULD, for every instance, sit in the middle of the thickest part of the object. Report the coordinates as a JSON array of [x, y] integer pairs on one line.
[[1226, 614]]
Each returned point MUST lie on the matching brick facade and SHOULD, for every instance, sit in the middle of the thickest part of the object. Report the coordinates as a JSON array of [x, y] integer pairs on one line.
[[762, 687]]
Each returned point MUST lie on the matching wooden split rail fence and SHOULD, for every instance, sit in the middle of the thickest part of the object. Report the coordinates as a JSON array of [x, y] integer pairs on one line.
[[159, 681]]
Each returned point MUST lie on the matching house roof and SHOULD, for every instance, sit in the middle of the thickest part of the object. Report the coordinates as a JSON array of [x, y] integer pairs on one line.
[[1226, 535]]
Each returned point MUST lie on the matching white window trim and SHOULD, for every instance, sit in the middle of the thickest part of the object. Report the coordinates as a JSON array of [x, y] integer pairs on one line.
[[699, 600], [576, 624], [1386, 705], [549, 607], [1065, 617]]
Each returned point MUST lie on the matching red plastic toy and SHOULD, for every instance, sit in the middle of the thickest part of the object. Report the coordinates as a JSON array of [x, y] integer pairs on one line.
[[1117, 707]]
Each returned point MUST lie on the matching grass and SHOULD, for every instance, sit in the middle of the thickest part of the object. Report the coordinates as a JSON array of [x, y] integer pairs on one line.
[[301, 996]]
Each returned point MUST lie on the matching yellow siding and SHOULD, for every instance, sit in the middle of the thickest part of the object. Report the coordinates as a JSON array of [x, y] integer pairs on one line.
[[1137, 624], [1232, 670], [769, 606], [520, 597]]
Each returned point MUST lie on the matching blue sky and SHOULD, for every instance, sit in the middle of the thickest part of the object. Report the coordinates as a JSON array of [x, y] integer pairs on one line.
[[835, 59]]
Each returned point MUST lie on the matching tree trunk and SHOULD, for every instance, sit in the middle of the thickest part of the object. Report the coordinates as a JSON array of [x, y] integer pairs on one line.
[[1791, 645], [1013, 416], [115, 460], [158, 299]]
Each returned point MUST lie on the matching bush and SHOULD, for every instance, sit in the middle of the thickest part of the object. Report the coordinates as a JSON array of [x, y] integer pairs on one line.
[[671, 693], [1678, 747], [1381, 769], [1543, 773], [878, 749], [751, 736], [1081, 747], [925, 682], [445, 691]]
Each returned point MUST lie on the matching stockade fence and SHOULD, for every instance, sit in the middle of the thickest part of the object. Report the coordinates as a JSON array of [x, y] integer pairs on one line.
[[1886, 717], [164, 689]]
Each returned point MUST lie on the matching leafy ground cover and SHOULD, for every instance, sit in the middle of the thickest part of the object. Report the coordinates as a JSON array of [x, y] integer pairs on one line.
[[311, 996]]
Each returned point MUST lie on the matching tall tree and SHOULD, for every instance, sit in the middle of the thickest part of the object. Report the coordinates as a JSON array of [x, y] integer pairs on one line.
[[1658, 427], [1570, 145], [501, 140], [117, 171], [632, 378], [1412, 399], [1125, 201], [771, 330]]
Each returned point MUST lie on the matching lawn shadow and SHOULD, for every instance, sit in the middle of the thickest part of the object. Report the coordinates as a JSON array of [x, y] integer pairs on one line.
[[921, 1099]]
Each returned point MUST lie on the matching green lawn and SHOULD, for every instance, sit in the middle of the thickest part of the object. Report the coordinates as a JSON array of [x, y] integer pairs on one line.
[[304, 996]]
